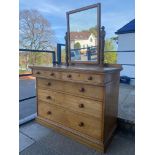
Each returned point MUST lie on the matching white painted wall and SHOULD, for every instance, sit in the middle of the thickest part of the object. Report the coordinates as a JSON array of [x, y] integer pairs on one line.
[[126, 42], [85, 43]]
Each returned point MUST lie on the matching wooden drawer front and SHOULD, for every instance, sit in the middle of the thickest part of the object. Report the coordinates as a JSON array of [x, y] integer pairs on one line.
[[82, 77], [89, 126], [94, 92], [47, 74], [39, 73], [69, 76], [78, 104]]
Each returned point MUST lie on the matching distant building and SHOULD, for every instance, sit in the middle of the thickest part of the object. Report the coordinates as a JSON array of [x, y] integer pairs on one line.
[[126, 43], [84, 38]]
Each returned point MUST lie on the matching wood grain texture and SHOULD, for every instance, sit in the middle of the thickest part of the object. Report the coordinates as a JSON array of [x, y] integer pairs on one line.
[[87, 78], [89, 91], [77, 104], [79, 69], [65, 76], [111, 107], [80, 102], [86, 125], [84, 139]]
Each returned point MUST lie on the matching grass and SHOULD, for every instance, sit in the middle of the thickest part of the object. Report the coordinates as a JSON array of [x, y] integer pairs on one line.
[[24, 72]]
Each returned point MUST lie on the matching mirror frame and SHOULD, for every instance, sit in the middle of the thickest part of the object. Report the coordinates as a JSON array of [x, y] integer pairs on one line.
[[98, 6]]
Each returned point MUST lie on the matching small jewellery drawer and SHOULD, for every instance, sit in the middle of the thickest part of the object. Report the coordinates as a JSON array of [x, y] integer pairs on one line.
[[89, 78], [85, 125], [39, 73], [91, 91], [47, 74], [77, 104], [70, 76]]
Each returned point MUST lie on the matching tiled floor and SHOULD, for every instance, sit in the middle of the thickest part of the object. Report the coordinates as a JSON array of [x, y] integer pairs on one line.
[[38, 140]]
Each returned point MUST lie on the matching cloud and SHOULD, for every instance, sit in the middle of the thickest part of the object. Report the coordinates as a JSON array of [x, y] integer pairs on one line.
[[50, 9], [45, 6]]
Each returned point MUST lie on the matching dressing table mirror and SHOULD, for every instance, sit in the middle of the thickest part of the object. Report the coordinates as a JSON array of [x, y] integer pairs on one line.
[[84, 36]]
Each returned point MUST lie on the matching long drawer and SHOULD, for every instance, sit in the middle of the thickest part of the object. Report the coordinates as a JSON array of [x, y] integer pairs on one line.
[[70, 76], [77, 104], [85, 125], [47, 74], [90, 91]]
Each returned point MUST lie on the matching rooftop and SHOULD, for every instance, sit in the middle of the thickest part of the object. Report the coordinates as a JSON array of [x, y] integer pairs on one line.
[[80, 35], [128, 28]]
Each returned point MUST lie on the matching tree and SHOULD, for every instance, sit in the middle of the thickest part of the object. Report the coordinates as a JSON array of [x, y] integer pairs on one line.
[[115, 39], [109, 45], [93, 30], [35, 33], [77, 45], [110, 57]]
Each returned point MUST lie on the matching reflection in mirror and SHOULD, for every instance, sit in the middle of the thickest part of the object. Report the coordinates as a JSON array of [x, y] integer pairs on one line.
[[63, 54], [83, 35]]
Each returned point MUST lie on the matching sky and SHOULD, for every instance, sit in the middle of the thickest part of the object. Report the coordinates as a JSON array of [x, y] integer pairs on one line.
[[88, 21], [114, 13]]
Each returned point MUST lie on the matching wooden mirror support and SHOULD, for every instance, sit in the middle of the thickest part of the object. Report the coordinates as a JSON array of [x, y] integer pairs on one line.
[[98, 31]]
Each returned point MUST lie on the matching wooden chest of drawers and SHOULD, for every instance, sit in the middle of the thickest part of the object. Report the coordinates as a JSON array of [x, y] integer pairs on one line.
[[78, 102]]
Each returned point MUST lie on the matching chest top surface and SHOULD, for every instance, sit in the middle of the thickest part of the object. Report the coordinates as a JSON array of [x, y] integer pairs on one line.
[[84, 69]]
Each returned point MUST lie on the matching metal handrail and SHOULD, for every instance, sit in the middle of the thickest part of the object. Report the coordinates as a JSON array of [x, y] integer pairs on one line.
[[31, 50], [46, 51], [20, 75], [21, 100]]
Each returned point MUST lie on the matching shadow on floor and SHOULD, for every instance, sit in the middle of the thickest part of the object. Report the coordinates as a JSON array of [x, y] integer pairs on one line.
[[38, 140]]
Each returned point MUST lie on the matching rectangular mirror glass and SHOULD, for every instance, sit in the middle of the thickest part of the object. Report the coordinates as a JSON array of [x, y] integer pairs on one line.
[[84, 35]]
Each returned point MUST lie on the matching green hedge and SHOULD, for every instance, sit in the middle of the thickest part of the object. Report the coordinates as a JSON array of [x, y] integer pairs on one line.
[[110, 57]]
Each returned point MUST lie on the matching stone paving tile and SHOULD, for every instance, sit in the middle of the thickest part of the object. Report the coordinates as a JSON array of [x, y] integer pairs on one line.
[[27, 108], [35, 130], [38, 149], [26, 88], [53, 143], [24, 141], [123, 93], [65, 145], [120, 146], [127, 108]]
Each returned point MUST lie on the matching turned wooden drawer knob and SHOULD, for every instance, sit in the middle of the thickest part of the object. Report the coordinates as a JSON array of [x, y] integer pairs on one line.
[[82, 89], [90, 78], [49, 83], [49, 112], [81, 105], [81, 124], [48, 97], [69, 76], [38, 73], [52, 74]]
